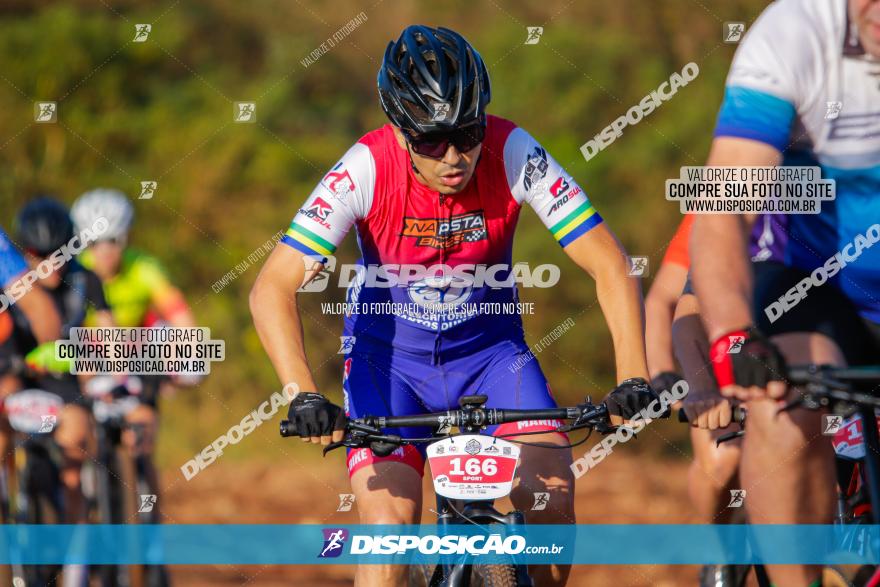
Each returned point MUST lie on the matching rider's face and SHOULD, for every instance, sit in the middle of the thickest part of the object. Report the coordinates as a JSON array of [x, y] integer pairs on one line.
[[107, 256], [447, 175], [866, 14], [50, 281]]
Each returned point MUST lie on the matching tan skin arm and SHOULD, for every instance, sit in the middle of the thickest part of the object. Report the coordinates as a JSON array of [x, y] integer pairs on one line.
[[599, 253], [42, 315], [722, 273], [181, 316], [273, 304], [659, 311]]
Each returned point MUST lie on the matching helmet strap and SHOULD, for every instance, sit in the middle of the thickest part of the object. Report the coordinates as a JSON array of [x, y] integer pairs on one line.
[[411, 162]]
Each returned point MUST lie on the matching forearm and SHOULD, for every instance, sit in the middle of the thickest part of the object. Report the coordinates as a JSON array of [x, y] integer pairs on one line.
[[279, 327], [620, 297], [39, 309], [659, 313], [658, 337], [722, 273]]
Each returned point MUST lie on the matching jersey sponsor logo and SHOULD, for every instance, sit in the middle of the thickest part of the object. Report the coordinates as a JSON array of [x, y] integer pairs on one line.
[[445, 232], [319, 211], [559, 187], [536, 168], [346, 370], [566, 197], [338, 181]]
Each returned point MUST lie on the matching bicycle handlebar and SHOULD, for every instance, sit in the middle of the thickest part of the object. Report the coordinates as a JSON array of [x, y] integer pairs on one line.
[[826, 380], [469, 417]]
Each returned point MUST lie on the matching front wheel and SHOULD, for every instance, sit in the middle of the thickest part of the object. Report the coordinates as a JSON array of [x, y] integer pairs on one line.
[[428, 575], [495, 576]]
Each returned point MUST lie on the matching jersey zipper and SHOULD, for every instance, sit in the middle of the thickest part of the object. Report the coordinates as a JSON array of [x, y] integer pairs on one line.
[[442, 238]]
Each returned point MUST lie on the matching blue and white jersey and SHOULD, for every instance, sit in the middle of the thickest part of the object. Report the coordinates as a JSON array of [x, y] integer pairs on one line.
[[12, 264], [802, 83]]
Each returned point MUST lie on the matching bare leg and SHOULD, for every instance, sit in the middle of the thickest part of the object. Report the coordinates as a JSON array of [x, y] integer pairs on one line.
[[546, 470], [788, 465], [74, 437], [713, 471], [386, 493]]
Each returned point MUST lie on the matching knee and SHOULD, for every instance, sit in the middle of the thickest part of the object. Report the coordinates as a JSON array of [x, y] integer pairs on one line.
[[71, 474], [781, 433], [720, 465], [395, 515]]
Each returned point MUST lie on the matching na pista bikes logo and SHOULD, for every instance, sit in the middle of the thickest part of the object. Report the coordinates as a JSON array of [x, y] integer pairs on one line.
[[334, 541]]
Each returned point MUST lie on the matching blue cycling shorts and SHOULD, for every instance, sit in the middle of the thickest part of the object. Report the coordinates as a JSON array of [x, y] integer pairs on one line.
[[401, 383]]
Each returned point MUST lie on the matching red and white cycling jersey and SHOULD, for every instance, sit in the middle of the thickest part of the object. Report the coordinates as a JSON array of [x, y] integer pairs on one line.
[[400, 221]]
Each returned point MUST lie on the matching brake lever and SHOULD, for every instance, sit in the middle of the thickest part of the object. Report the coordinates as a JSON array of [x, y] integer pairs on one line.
[[596, 423], [729, 436], [790, 406], [361, 439], [335, 445]]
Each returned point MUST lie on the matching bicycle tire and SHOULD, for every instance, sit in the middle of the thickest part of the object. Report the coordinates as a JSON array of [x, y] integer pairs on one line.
[[420, 575], [110, 497], [42, 510], [494, 576], [481, 576]]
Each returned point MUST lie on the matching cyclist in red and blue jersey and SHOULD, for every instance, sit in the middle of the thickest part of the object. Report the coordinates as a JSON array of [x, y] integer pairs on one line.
[[803, 90], [440, 190], [33, 302]]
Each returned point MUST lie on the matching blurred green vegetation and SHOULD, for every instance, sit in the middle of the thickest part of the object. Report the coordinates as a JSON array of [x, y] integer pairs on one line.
[[162, 110]]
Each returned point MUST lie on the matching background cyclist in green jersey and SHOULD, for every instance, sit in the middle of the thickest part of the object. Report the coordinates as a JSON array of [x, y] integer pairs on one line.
[[136, 288]]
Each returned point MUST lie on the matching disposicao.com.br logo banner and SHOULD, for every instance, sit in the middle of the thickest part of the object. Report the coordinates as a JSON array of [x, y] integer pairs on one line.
[[196, 544]]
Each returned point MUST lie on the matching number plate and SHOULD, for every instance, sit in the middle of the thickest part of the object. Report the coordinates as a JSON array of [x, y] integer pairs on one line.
[[33, 411], [849, 442], [472, 466]]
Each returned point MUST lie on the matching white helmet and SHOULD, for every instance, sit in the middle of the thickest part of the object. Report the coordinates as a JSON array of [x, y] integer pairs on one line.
[[110, 204]]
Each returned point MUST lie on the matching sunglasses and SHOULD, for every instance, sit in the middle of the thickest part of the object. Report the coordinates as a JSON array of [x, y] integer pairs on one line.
[[435, 145]]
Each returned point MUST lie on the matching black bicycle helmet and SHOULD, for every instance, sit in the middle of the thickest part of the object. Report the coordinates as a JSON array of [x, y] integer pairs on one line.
[[433, 80], [43, 225]]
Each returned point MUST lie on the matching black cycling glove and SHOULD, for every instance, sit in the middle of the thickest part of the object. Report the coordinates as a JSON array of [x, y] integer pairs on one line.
[[631, 397], [665, 381], [746, 358], [314, 415]]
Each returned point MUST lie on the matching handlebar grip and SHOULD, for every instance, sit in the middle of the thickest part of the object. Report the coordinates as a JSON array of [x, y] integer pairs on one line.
[[739, 415], [287, 429]]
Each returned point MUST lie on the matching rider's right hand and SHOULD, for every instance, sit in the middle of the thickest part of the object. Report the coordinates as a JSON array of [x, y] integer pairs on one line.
[[316, 418], [748, 366], [707, 410]]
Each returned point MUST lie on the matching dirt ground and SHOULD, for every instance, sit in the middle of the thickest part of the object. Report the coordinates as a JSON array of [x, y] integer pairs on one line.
[[630, 490]]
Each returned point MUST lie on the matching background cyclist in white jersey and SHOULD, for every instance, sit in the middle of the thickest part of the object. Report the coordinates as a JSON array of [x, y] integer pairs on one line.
[[798, 57]]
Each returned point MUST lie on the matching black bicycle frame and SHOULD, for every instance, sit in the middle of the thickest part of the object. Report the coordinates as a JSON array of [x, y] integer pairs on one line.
[[455, 512]]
